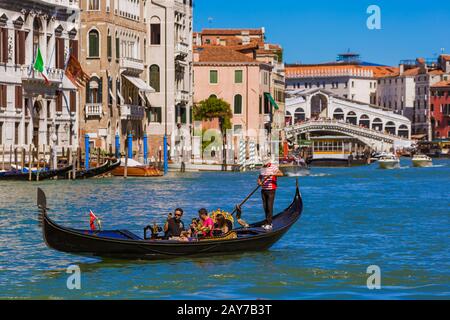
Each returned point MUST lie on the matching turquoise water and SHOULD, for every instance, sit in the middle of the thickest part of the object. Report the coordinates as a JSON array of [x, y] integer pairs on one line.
[[354, 217]]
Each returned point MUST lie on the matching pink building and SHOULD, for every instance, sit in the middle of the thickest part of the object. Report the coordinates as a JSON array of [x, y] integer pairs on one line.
[[242, 81]]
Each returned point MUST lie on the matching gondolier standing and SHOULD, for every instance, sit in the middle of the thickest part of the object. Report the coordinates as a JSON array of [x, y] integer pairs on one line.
[[268, 182]]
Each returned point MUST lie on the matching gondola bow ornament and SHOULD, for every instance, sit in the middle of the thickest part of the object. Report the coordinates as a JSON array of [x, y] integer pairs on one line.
[[93, 219]]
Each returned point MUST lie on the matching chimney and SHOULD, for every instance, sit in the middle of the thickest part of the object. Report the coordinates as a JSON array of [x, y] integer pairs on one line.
[[402, 69]]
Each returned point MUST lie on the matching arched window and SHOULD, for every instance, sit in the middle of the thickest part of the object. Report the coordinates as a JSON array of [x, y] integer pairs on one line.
[[288, 118], [155, 77], [94, 90], [238, 104], [213, 96], [377, 124], [338, 114], [364, 121], [403, 131], [94, 44], [299, 115], [351, 118], [390, 127], [155, 31]]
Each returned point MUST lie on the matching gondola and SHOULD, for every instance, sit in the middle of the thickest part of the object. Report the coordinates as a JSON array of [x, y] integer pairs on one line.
[[108, 166], [17, 175], [123, 244]]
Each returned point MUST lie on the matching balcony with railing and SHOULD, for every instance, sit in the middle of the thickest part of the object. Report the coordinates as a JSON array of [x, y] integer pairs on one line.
[[182, 96], [181, 50], [132, 64], [93, 110], [132, 112], [54, 75]]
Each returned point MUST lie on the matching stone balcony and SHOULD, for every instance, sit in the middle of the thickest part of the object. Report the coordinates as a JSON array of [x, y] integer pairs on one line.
[[131, 112], [131, 64], [55, 76], [93, 110], [181, 50], [182, 96]]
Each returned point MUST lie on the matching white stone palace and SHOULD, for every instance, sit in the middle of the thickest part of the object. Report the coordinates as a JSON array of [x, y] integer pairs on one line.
[[31, 110]]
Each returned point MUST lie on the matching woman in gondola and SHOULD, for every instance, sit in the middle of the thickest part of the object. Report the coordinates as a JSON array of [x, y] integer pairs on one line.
[[221, 226]]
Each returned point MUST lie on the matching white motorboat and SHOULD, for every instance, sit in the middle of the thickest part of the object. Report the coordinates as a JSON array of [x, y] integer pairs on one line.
[[389, 161], [421, 161]]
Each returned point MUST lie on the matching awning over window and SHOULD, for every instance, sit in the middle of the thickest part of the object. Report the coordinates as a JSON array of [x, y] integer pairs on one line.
[[272, 100], [140, 84]]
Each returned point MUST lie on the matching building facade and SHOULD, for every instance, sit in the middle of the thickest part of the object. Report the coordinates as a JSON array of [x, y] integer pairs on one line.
[[241, 81], [440, 110], [33, 110], [114, 101], [170, 71], [408, 91], [348, 77]]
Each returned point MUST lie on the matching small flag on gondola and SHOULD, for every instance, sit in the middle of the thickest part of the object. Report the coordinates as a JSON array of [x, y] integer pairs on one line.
[[75, 72], [92, 219]]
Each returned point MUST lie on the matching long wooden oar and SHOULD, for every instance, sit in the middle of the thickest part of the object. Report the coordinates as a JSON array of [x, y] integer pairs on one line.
[[239, 220]]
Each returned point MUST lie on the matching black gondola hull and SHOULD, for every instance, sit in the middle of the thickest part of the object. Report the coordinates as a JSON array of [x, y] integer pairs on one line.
[[43, 175], [123, 244]]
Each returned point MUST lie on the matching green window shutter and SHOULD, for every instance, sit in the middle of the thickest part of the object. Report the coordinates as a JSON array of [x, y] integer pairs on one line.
[[238, 76], [93, 44], [238, 104], [117, 48], [213, 76], [109, 47]]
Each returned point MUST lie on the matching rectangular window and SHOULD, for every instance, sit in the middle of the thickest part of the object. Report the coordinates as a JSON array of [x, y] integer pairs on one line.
[[73, 45], [266, 104], [19, 97], [73, 101], [27, 125], [155, 33], [16, 132], [238, 76], [155, 114], [1, 133], [20, 47], [109, 48], [3, 96], [237, 129], [3, 45], [60, 49], [117, 48], [213, 77], [58, 101]]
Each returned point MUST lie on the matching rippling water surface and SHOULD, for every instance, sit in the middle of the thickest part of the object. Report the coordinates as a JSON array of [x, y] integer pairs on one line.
[[353, 218]]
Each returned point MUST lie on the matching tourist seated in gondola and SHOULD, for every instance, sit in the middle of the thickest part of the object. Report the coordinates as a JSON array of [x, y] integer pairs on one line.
[[206, 224], [222, 226], [174, 226]]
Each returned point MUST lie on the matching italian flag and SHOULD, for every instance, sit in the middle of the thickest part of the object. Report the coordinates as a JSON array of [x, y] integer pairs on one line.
[[39, 66]]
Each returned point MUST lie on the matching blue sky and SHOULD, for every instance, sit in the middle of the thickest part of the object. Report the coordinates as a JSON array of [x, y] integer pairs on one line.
[[316, 30]]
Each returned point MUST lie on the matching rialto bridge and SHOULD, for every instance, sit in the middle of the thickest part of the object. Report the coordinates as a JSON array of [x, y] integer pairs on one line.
[[319, 112]]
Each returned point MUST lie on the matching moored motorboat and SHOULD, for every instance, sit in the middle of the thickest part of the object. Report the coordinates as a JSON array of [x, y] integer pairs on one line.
[[421, 161], [136, 169], [127, 245], [389, 161]]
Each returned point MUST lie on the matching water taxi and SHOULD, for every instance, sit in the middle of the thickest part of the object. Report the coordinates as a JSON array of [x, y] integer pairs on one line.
[[389, 161], [421, 161]]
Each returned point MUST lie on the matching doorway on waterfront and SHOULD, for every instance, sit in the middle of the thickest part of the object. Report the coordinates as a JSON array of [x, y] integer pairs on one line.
[[36, 116]]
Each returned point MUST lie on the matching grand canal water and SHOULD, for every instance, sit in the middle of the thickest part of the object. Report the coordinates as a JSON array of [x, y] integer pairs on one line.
[[353, 218]]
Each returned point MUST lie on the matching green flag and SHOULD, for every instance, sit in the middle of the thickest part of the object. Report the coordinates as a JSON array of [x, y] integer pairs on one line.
[[40, 66], [272, 101]]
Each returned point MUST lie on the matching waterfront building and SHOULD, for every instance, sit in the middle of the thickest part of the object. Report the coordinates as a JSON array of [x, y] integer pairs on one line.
[[241, 81], [253, 43], [408, 91], [348, 77], [35, 109], [170, 72], [323, 116], [114, 101], [440, 110]]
